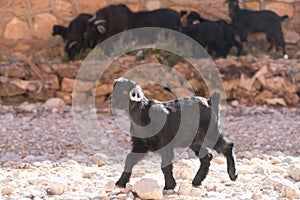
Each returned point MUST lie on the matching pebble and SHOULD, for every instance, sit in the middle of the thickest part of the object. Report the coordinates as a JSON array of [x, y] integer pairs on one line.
[[42, 157], [294, 172], [148, 188], [54, 102], [56, 189], [7, 190], [99, 158], [109, 186]]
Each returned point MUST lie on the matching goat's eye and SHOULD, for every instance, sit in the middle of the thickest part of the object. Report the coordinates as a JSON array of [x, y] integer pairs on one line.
[[138, 95], [133, 94]]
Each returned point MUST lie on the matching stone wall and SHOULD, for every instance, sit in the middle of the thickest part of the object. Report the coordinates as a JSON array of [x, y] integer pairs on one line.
[[26, 25], [246, 79]]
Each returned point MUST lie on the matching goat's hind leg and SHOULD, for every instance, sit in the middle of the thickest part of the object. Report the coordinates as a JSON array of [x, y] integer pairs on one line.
[[205, 157], [226, 148]]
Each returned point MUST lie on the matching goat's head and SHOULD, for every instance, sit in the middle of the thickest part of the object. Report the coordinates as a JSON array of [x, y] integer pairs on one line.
[[58, 29], [124, 92], [72, 48], [193, 18], [98, 23], [233, 6]]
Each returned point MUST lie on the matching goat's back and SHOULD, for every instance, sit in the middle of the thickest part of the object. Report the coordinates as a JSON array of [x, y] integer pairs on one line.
[[257, 21]]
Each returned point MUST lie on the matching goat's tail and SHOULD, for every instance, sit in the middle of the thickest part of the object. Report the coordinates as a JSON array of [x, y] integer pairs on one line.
[[284, 17], [215, 100]]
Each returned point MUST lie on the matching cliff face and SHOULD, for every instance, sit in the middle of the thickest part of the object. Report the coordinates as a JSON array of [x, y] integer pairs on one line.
[[26, 25]]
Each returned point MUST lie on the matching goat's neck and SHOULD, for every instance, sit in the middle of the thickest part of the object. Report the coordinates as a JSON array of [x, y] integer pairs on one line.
[[138, 112]]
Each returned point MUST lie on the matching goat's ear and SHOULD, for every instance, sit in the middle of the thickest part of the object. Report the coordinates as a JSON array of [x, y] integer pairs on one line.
[[136, 94]]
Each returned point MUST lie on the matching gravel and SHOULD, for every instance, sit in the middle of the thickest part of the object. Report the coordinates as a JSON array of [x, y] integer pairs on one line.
[[42, 157]]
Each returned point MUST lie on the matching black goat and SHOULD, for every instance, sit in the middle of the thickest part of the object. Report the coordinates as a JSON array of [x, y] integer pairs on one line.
[[194, 18], [164, 18], [264, 21], [163, 126], [210, 35], [77, 42], [107, 22], [114, 19], [60, 30]]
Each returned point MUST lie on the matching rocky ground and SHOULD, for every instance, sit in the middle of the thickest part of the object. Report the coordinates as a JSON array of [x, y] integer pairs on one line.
[[42, 157]]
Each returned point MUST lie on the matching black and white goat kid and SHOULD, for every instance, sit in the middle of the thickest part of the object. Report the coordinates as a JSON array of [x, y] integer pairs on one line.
[[162, 126]]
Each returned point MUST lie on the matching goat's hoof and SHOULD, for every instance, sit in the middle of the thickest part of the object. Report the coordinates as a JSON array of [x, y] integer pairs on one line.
[[121, 183], [233, 177], [196, 183], [170, 186]]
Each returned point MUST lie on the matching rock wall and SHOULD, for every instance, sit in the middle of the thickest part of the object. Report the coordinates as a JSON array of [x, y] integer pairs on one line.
[[26, 25], [246, 79]]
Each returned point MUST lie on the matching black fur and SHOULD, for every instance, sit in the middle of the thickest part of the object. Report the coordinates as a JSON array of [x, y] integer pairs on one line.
[[179, 130], [194, 18], [264, 21]]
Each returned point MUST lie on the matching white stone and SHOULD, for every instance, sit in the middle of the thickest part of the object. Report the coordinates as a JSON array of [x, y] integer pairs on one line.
[[294, 172], [54, 102], [56, 188], [109, 186], [290, 190], [99, 158], [186, 173], [185, 190], [148, 188]]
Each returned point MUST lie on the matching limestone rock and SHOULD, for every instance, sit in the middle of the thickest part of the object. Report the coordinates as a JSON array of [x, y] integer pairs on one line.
[[109, 186], [99, 158], [65, 8], [189, 190], [291, 37], [186, 173], [7, 89], [54, 102], [67, 85], [37, 4], [91, 6], [290, 190], [153, 4], [7, 190], [148, 188], [19, 6], [17, 29], [103, 89], [281, 8], [294, 172], [43, 24], [56, 188]]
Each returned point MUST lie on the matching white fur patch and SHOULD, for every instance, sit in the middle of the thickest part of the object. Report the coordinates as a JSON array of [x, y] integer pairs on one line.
[[136, 94], [196, 22], [286, 56]]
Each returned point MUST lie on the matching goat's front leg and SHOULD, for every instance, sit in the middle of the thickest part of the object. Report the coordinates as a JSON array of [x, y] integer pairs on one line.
[[131, 160], [205, 157], [167, 156]]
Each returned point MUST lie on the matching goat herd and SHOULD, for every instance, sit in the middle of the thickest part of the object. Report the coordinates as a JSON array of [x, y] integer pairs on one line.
[[218, 37]]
